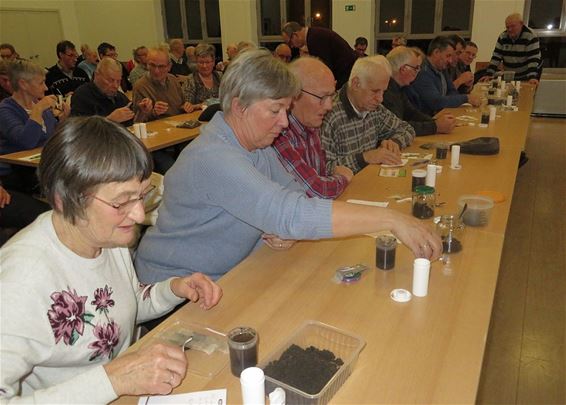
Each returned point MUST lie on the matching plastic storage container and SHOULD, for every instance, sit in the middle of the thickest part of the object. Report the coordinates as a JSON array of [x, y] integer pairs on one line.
[[313, 333], [478, 210]]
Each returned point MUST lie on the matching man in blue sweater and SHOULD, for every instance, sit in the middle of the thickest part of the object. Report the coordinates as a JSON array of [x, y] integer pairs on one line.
[[431, 92]]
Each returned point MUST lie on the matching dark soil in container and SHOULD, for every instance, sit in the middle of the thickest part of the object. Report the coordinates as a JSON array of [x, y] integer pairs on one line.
[[306, 369]]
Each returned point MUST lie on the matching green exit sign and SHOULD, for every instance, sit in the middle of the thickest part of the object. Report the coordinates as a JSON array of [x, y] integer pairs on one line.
[[349, 7]]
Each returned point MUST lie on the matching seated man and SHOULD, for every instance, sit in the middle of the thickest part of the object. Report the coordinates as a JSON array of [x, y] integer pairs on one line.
[[405, 64], [140, 57], [8, 52], [360, 46], [106, 50], [466, 58], [102, 97], [431, 92], [5, 86], [65, 77], [179, 65], [89, 62], [162, 88], [359, 130], [283, 52], [298, 147], [458, 73]]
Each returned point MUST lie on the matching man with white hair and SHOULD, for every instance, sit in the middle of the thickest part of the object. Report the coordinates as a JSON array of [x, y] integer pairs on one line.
[[298, 147], [102, 97], [283, 52], [405, 64], [518, 49], [358, 130]]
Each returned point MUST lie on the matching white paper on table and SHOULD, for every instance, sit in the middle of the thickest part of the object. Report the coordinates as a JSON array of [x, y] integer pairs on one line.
[[212, 397], [32, 158], [403, 163], [382, 204]]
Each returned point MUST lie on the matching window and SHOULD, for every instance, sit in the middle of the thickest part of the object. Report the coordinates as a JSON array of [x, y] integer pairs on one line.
[[192, 20], [547, 18], [275, 13]]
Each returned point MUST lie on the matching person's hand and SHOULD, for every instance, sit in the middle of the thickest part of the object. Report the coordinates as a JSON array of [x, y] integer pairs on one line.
[[344, 171], [145, 106], [485, 79], [5, 197], [276, 243], [44, 104], [122, 114], [416, 236], [533, 81], [391, 146], [152, 370], [474, 100], [382, 155], [61, 111], [188, 107], [445, 123], [160, 107], [220, 66], [197, 287]]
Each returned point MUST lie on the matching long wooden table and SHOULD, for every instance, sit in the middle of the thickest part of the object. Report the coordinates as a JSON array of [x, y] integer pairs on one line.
[[165, 135], [428, 350]]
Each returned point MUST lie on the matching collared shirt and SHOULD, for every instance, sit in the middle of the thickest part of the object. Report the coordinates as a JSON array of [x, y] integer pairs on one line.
[[300, 151], [169, 92], [346, 136]]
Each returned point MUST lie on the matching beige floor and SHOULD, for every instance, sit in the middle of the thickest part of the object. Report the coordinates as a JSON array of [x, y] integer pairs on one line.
[[525, 359]]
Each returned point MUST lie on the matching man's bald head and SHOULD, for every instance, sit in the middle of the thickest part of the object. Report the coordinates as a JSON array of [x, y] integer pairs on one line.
[[318, 89], [514, 25]]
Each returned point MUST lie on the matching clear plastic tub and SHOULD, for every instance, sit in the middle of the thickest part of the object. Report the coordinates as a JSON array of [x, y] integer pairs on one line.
[[478, 210], [313, 333]]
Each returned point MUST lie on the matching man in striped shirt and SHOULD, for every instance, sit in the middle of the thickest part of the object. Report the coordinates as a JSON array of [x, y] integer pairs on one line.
[[517, 49], [299, 147]]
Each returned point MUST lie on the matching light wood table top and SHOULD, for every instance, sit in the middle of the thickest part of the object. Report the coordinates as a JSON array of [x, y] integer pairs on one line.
[[166, 135], [429, 350]]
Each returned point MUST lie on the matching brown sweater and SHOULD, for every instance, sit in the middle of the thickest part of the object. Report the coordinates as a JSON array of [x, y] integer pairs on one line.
[[170, 92]]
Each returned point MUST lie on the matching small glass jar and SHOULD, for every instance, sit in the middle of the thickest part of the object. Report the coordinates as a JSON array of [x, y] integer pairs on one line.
[[424, 201], [450, 229]]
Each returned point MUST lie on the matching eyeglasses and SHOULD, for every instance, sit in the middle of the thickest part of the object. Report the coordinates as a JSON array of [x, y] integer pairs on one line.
[[154, 66], [322, 99], [205, 62], [126, 207], [415, 68]]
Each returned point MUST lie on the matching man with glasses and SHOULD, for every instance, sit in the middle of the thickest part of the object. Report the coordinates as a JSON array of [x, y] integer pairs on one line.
[[325, 44], [161, 87], [359, 130], [65, 77], [430, 92], [102, 97], [299, 147], [405, 65], [8, 52], [106, 50]]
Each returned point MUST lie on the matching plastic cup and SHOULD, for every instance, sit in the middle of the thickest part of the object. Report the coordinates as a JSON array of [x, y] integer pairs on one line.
[[242, 342]]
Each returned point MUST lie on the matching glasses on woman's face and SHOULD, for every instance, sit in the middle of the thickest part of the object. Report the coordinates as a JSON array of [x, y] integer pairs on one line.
[[322, 99], [126, 207]]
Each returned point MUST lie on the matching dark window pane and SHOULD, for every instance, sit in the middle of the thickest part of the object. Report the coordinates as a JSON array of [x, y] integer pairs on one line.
[[391, 16], [173, 19], [270, 17], [296, 11], [456, 15], [212, 18], [192, 8], [545, 14], [553, 50], [422, 17], [320, 13]]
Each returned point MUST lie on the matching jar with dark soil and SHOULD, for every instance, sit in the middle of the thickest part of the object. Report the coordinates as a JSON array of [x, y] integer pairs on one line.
[[423, 202]]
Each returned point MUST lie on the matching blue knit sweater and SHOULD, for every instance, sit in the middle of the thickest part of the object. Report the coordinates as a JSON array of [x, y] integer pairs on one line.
[[219, 198]]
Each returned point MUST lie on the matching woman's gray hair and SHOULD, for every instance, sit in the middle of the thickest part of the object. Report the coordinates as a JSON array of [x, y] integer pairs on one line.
[[399, 56], [256, 75], [83, 154], [23, 70], [204, 49], [364, 67]]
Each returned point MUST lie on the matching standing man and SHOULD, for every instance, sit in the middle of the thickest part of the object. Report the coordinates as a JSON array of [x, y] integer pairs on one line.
[[431, 91], [65, 77], [324, 44], [299, 147], [405, 64], [358, 130], [517, 49]]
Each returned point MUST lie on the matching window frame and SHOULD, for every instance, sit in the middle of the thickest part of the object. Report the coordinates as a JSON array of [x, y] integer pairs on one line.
[[408, 26], [204, 25], [561, 32]]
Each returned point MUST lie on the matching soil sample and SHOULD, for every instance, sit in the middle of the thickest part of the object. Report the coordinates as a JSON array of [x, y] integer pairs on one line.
[[451, 245], [305, 369], [242, 342]]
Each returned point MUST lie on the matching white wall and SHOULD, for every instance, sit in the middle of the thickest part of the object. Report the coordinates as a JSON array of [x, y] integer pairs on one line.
[[489, 22], [239, 22], [353, 24]]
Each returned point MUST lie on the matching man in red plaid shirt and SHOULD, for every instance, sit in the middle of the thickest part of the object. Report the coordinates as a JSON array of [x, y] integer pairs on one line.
[[299, 147]]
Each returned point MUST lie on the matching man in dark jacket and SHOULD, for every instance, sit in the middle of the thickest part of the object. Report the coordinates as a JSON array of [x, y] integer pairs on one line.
[[65, 77], [405, 64]]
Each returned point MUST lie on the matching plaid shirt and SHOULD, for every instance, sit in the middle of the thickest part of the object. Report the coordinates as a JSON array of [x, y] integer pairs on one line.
[[300, 151], [346, 135]]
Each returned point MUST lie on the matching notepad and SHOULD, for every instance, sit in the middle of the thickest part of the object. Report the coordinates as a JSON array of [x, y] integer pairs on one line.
[[212, 397]]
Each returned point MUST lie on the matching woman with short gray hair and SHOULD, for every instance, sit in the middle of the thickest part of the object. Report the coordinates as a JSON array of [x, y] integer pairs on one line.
[[203, 84], [70, 296], [27, 119], [228, 192]]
